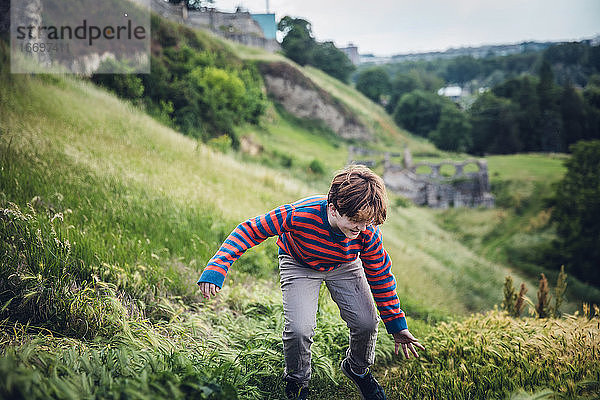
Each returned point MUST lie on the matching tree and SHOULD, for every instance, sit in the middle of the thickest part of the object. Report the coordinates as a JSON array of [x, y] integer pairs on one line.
[[193, 4], [566, 53], [551, 121], [224, 99], [401, 84], [495, 128], [462, 69], [419, 112], [300, 46], [523, 91], [591, 95], [298, 43], [332, 61], [576, 213], [373, 83], [572, 108], [453, 132]]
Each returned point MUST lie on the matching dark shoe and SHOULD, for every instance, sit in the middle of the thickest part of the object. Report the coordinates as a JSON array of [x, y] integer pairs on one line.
[[296, 390], [369, 388]]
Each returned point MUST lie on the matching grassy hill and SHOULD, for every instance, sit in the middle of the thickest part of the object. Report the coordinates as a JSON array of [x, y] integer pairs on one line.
[[107, 218]]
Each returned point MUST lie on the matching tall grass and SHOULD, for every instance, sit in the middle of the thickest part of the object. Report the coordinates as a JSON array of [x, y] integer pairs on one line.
[[494, 356], [124, 343]]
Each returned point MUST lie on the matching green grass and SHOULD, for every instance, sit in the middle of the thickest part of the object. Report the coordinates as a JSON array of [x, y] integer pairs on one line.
[[536, 167], [291, 146], [494, 356]]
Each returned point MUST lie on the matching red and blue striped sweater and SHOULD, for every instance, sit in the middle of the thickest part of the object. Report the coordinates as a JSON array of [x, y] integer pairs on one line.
[[305, 234]]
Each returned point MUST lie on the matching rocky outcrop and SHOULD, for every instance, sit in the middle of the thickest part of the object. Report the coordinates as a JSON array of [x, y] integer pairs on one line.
[[302, 98]]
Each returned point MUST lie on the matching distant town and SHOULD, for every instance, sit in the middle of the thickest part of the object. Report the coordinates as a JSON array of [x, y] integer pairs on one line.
[[353, 54]]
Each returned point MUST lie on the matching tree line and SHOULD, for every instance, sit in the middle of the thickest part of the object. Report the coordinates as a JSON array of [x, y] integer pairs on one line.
[[300, 46], [544, 101]]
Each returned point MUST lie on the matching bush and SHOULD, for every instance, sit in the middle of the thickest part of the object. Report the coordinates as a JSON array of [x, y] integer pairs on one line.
[[221, 143], [124, 84], [316, 167]]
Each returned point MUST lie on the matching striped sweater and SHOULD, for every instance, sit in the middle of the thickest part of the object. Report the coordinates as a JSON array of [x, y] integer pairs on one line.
[[305, 234]]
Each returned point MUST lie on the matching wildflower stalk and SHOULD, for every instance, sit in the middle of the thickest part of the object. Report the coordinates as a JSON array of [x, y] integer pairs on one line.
[[559, 292], [520, 301], [544, 297], [510, 296]]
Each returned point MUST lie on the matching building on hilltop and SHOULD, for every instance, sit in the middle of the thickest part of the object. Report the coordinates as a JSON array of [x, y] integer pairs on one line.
[[239, 26], [352, 53]]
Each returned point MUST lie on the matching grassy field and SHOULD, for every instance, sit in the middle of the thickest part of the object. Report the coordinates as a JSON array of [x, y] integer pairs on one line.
[[107, 218]]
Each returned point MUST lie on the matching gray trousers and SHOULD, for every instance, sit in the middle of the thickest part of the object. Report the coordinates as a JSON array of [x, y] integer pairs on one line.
[[350, 291]]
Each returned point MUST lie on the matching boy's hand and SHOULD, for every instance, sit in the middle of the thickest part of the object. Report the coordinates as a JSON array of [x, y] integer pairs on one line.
[[208, 289], [405, 339]]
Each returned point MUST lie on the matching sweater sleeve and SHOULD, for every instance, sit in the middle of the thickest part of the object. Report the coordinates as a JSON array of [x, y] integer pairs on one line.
[[378, 269], [247, 234]]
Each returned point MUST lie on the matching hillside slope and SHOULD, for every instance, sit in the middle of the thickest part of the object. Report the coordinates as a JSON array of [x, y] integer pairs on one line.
[[107, 220]]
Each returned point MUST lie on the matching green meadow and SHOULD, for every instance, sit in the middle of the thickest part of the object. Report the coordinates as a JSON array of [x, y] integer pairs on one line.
[[108, 217]]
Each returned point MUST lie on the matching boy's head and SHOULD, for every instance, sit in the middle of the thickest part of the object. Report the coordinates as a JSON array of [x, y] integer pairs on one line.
[[359, 194]]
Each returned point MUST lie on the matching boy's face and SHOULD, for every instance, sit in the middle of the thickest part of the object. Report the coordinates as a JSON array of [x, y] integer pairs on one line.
[[350, 229]]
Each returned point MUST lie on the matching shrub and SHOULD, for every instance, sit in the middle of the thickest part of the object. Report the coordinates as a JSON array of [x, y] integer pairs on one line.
[[221, 143], [124, 83], [316, 167]]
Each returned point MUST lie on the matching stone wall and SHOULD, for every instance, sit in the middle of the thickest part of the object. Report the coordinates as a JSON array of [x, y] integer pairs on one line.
[[239, 26], [433, 189], [174, 12]]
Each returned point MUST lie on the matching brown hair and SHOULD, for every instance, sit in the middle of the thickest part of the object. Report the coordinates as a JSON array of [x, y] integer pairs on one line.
[[359, 194]]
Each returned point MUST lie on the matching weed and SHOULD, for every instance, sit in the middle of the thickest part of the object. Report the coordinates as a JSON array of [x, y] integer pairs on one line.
[[559, 292], [543, 295]]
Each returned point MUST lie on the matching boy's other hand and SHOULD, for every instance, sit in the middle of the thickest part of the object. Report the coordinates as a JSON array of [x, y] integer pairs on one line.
[[208, 289], [408, 342]]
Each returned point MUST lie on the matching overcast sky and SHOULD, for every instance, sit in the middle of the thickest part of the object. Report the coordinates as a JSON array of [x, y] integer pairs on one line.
[[387, 27]]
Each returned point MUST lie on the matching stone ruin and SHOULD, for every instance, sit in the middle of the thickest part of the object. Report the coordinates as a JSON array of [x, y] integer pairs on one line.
[[432, 189]]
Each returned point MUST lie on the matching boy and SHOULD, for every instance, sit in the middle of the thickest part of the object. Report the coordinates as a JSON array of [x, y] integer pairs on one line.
[[333, 239]]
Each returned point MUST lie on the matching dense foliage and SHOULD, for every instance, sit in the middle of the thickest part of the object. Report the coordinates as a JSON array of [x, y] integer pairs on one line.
[[374, 83], [300, 46], [577, 214], [542, 101], [194, 84]]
